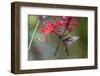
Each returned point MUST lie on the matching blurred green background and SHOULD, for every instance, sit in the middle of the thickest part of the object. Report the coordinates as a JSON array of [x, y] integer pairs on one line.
[[45, 51]]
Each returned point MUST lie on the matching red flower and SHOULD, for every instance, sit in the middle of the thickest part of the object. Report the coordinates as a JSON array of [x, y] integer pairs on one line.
[[37, 40], [60, 23], [44, 30], [69, 23], [70, 29], [48, 28], [75, 23], [51, 26], [55, 19], [70, 18]]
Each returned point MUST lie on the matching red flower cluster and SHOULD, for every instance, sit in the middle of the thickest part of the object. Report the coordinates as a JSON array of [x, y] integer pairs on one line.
[[69, 23], [73, 23], [49, 28]]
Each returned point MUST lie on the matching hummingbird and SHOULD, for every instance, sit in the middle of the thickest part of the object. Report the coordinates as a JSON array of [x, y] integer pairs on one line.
[[66, 42], [71, 40]]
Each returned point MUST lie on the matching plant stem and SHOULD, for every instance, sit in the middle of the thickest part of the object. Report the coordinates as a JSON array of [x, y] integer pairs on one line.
[[67, 52], [33, 35], [57, 48], [59, 42]]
